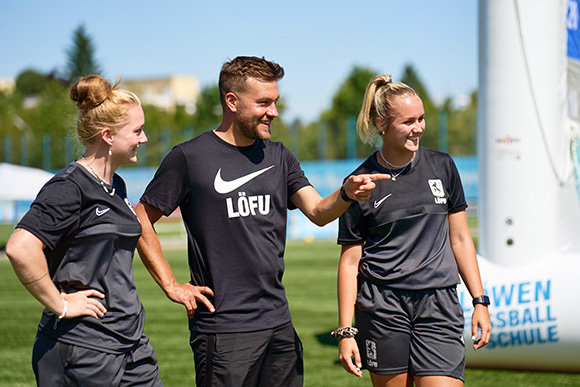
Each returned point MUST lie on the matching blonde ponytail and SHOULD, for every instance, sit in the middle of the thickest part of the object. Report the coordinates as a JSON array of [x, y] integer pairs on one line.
[[377, 105]]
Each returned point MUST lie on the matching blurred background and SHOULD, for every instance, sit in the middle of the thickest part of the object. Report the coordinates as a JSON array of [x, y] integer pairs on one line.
[[170, 55]]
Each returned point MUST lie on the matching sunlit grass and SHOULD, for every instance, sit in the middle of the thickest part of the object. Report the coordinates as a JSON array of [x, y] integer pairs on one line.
[[310, 281]]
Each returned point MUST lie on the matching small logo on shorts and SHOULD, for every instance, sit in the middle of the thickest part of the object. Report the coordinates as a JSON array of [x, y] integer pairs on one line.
[[371, 349]]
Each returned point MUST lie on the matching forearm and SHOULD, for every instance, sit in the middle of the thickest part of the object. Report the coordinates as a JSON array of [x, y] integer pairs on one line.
[[152, 256], [47, 294], [29, 263], [466, 259], [346, 296], [329, 209], [469, 271], [464, 251], [150, 250], [322, 211], [347, 284]]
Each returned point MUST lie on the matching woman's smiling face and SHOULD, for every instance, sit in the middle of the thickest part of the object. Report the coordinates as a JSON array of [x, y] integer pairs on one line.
[[406, 129]]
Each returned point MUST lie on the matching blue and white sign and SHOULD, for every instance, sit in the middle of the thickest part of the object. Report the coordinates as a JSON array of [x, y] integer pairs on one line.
[[529, 212]]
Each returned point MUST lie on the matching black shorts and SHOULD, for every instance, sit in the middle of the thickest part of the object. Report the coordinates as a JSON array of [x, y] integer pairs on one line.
[[60, 364], [270, 357], [419, 332]]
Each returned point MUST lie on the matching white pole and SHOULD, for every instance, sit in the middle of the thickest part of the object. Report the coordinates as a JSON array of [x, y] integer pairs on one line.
[[519, 121]]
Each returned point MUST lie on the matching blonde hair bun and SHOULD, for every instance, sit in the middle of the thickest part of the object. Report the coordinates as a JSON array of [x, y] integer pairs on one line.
[[91, 91]]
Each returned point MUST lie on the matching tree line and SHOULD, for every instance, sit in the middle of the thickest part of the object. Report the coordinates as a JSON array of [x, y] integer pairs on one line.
[[38, 117]]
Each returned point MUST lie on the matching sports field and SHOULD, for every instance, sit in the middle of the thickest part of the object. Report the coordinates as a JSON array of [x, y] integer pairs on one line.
[[311, 288]]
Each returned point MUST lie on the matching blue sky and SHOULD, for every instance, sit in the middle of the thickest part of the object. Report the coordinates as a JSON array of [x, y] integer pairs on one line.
[[317, 42]]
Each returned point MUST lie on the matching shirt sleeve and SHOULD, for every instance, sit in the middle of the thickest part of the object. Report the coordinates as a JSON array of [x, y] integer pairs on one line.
[[296, 178], [54, 213], [457, 200], [170, 185], [351, 230]]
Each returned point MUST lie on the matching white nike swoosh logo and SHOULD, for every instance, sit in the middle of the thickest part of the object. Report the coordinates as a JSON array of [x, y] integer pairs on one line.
[[224, 187], [377, 204], [102, 212]]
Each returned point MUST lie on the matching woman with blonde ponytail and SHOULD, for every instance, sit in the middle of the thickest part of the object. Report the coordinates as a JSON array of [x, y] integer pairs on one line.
[[403, 252], [73, 251]]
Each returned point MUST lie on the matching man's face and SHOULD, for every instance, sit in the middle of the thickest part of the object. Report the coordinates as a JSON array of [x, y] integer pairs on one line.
[[256, 109]]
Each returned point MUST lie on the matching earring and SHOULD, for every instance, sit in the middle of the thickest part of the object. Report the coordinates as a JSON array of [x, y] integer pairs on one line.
[[110, 153], [382, 132]]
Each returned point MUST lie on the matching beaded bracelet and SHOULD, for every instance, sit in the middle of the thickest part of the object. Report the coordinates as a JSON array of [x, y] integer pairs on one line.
[[342, 333]]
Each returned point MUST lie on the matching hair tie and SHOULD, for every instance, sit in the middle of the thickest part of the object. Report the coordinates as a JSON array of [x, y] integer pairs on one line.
[[100, 103], [82, 104], [386, 83]]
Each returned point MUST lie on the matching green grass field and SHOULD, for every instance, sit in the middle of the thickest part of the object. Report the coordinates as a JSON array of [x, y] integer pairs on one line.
[[5, 231], [311, 288]]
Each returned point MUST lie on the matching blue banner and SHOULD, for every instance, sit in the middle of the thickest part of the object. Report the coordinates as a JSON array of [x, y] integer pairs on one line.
[[573, 32]]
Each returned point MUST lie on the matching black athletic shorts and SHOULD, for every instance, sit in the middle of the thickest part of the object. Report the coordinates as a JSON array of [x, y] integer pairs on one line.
[[266, 358], [60, 364], [419, 332]]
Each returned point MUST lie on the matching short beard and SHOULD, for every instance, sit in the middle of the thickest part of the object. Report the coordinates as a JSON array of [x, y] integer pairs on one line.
[[248, 126]]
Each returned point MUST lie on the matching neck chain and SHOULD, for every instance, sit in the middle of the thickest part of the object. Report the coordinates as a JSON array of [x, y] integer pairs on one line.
[[101, 181], [389, 165], [393, 165]]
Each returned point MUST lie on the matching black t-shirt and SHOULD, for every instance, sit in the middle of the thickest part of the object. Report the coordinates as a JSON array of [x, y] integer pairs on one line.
[[90, 238], [404, 227], [234, 203]]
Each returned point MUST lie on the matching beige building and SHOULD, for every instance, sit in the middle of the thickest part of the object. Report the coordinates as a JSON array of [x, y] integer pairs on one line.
[[167, 93], [7, 85]]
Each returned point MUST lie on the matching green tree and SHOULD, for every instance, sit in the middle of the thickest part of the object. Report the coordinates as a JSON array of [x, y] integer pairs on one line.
[[81, 56], [208, 110], [7, 127], [346, 104], [308, 141], [461, 127], [411, 78], [31, 82], [164, 129], [280, 127], [53, 115], [25, 122], [349, 96]]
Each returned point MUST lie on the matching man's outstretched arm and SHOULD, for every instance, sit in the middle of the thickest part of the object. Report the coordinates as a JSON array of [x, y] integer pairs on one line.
[[322, 211]]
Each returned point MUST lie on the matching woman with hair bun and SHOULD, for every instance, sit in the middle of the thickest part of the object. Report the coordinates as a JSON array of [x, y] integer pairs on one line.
[[403, 252], [73, 251]]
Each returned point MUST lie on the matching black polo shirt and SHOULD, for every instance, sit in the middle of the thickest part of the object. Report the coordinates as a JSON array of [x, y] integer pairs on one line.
[[404, 227], [90, 238]]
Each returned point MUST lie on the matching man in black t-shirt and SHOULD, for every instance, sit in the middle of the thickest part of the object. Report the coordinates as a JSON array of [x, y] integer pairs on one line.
[[233, 187]]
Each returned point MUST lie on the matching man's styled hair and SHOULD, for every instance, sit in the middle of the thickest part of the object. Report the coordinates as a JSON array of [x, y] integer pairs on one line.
[[234, 74]]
